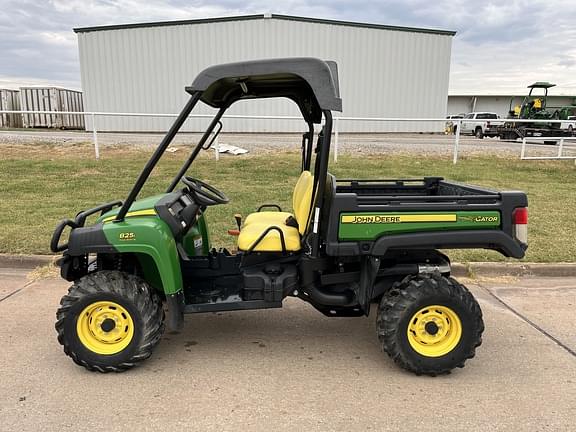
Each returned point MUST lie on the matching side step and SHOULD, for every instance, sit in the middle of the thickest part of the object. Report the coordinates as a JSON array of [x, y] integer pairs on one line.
[[231, 306]]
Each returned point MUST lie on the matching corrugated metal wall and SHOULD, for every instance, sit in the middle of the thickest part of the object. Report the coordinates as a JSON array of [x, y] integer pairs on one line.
[[52, 99], [10, 101], [383, 73]]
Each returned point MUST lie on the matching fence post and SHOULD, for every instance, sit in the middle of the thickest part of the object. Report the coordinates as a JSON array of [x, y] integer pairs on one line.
[[561, 146], [95, 137], [336, 139], [456, 141], [216, 148], [523, 151]]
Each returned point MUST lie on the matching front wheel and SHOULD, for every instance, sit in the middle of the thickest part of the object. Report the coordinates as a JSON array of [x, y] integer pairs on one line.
[[429, 324], [109, 321]]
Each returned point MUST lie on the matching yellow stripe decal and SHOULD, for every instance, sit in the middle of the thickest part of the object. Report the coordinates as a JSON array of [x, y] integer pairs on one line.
[[147, 212], [397, 218]]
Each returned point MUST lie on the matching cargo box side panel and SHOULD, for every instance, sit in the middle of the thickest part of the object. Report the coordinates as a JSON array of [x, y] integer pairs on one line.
[[364, 226]]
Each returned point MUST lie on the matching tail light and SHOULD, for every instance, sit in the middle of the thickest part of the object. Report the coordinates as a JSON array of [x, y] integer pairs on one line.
[[487, 124], [520, 224]]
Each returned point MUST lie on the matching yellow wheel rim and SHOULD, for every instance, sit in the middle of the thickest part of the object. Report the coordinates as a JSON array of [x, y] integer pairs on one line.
[[105, 327], [434, 331]]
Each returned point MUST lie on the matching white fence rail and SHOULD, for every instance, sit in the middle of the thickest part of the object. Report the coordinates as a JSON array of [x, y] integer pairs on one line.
[[559, 154], [337, 121]]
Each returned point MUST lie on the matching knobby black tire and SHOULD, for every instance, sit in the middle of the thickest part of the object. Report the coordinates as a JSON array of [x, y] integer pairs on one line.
[[404, 299], [141, 301]]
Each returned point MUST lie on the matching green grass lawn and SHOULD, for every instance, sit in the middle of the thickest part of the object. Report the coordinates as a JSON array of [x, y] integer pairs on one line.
[[40, 185]]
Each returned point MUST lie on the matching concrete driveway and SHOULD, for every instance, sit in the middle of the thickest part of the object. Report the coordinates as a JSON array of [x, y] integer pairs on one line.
[[295, 370]]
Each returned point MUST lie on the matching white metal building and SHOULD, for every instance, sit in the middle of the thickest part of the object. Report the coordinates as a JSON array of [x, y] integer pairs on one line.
[[384, 71]]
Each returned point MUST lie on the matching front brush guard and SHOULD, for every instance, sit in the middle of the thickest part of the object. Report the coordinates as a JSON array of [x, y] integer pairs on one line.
[[78, 222]]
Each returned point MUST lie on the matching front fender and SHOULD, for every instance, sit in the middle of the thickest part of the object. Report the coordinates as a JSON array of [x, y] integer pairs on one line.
[[150, 236], [143, 236]]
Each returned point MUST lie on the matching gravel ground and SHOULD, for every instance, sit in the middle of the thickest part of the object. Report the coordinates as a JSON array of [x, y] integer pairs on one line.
[[421, 144]]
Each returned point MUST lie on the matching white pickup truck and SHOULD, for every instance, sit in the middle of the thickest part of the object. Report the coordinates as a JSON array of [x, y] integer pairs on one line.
[[480, 124], [569, 124]]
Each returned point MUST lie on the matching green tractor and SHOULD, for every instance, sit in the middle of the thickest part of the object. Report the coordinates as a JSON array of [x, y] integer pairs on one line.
[[535, 107], [345, 245]]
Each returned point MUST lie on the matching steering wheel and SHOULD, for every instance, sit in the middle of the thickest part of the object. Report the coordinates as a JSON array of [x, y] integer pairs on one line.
[[204, 194]]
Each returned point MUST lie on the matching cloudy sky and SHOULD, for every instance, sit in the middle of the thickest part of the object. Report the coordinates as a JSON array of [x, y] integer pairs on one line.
[[501, 46]]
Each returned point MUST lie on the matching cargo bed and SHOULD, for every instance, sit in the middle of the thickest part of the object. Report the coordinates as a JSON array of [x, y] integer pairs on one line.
[[372, 216]]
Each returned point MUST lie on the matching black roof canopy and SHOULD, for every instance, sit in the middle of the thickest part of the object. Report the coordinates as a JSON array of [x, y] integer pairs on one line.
[[310, 82]]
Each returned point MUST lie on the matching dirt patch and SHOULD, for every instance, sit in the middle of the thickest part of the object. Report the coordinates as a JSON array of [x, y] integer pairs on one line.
[[48, 271]]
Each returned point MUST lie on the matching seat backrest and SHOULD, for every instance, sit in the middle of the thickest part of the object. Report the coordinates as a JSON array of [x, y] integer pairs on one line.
[[299, 189], [302, 200]]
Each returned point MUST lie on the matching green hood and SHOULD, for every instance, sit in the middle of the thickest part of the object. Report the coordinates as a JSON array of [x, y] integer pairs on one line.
[[137, 206]]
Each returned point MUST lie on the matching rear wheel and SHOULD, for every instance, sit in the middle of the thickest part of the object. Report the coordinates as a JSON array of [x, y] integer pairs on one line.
[[429, 324], [478, 133], [109, 321]]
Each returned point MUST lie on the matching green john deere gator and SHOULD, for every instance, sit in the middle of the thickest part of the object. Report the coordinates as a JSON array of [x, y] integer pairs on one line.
[[345, 245]]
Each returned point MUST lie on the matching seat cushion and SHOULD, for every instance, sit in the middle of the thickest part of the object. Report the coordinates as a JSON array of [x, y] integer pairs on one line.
[[271, 242], [267, 217]]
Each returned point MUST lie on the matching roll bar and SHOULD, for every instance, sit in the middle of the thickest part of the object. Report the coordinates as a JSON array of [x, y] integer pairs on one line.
[[319, 177], [157, 155]]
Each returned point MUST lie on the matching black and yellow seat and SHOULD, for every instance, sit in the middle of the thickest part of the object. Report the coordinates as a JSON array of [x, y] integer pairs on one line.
[[264, 231]]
